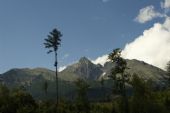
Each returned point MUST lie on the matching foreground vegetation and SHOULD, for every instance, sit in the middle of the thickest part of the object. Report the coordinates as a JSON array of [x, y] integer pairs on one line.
[[143, 100]]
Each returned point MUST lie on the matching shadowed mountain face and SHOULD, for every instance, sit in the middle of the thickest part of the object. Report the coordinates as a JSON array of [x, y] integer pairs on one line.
[[146, 71], [143, 70]]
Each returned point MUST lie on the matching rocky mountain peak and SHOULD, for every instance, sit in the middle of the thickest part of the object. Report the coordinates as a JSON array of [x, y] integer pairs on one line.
[[82, 69], [84, 60]]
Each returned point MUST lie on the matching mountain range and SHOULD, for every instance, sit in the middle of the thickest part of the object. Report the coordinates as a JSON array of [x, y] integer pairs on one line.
[[33, 79]]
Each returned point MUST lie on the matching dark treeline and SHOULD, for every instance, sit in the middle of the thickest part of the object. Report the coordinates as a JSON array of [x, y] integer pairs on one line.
[[143, 100]]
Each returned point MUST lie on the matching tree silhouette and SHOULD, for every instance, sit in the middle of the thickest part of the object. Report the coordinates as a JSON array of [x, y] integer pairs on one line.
[[45, 87], [168, 72], [52, 43], [102, 87], [82, 103], [119, 76]]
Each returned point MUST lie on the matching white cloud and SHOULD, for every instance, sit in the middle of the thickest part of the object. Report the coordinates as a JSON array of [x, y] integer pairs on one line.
[[148, 13], [153, 46], [65, 56], [101, 60], [165, 4], [61, 68]]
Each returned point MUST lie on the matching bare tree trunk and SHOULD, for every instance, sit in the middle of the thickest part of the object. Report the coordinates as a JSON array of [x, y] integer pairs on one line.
[[56, 63], [125, 98]]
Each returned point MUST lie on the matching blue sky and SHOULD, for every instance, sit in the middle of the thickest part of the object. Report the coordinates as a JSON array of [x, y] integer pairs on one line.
[[90, 28]]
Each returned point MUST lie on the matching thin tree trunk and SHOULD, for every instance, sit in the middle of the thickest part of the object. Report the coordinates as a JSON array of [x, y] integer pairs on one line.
[[126, 104], [56, 78]]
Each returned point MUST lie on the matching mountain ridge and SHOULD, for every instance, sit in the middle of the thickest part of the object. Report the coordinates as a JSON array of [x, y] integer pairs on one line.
[[33, 79], [86, 69]]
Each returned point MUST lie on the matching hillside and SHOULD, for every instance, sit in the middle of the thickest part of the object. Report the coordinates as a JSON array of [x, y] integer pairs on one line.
[[143, 70], [33, 79]]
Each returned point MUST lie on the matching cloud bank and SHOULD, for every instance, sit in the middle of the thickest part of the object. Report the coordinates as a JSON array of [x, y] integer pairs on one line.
[[153, 46], [61, 68], [165, 4], [101, 60], [146, 14]]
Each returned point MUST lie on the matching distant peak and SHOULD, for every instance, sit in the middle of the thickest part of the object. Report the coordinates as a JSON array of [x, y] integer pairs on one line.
[[18, 69], [84, 59]]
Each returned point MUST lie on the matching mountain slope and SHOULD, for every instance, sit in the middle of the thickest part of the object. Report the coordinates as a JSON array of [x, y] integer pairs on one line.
[[26, 76], [84, 69], [143, 70], [146, 71]]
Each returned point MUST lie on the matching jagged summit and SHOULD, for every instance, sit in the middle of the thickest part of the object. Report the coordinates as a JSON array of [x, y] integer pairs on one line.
[[84, 60], [82, 69]]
